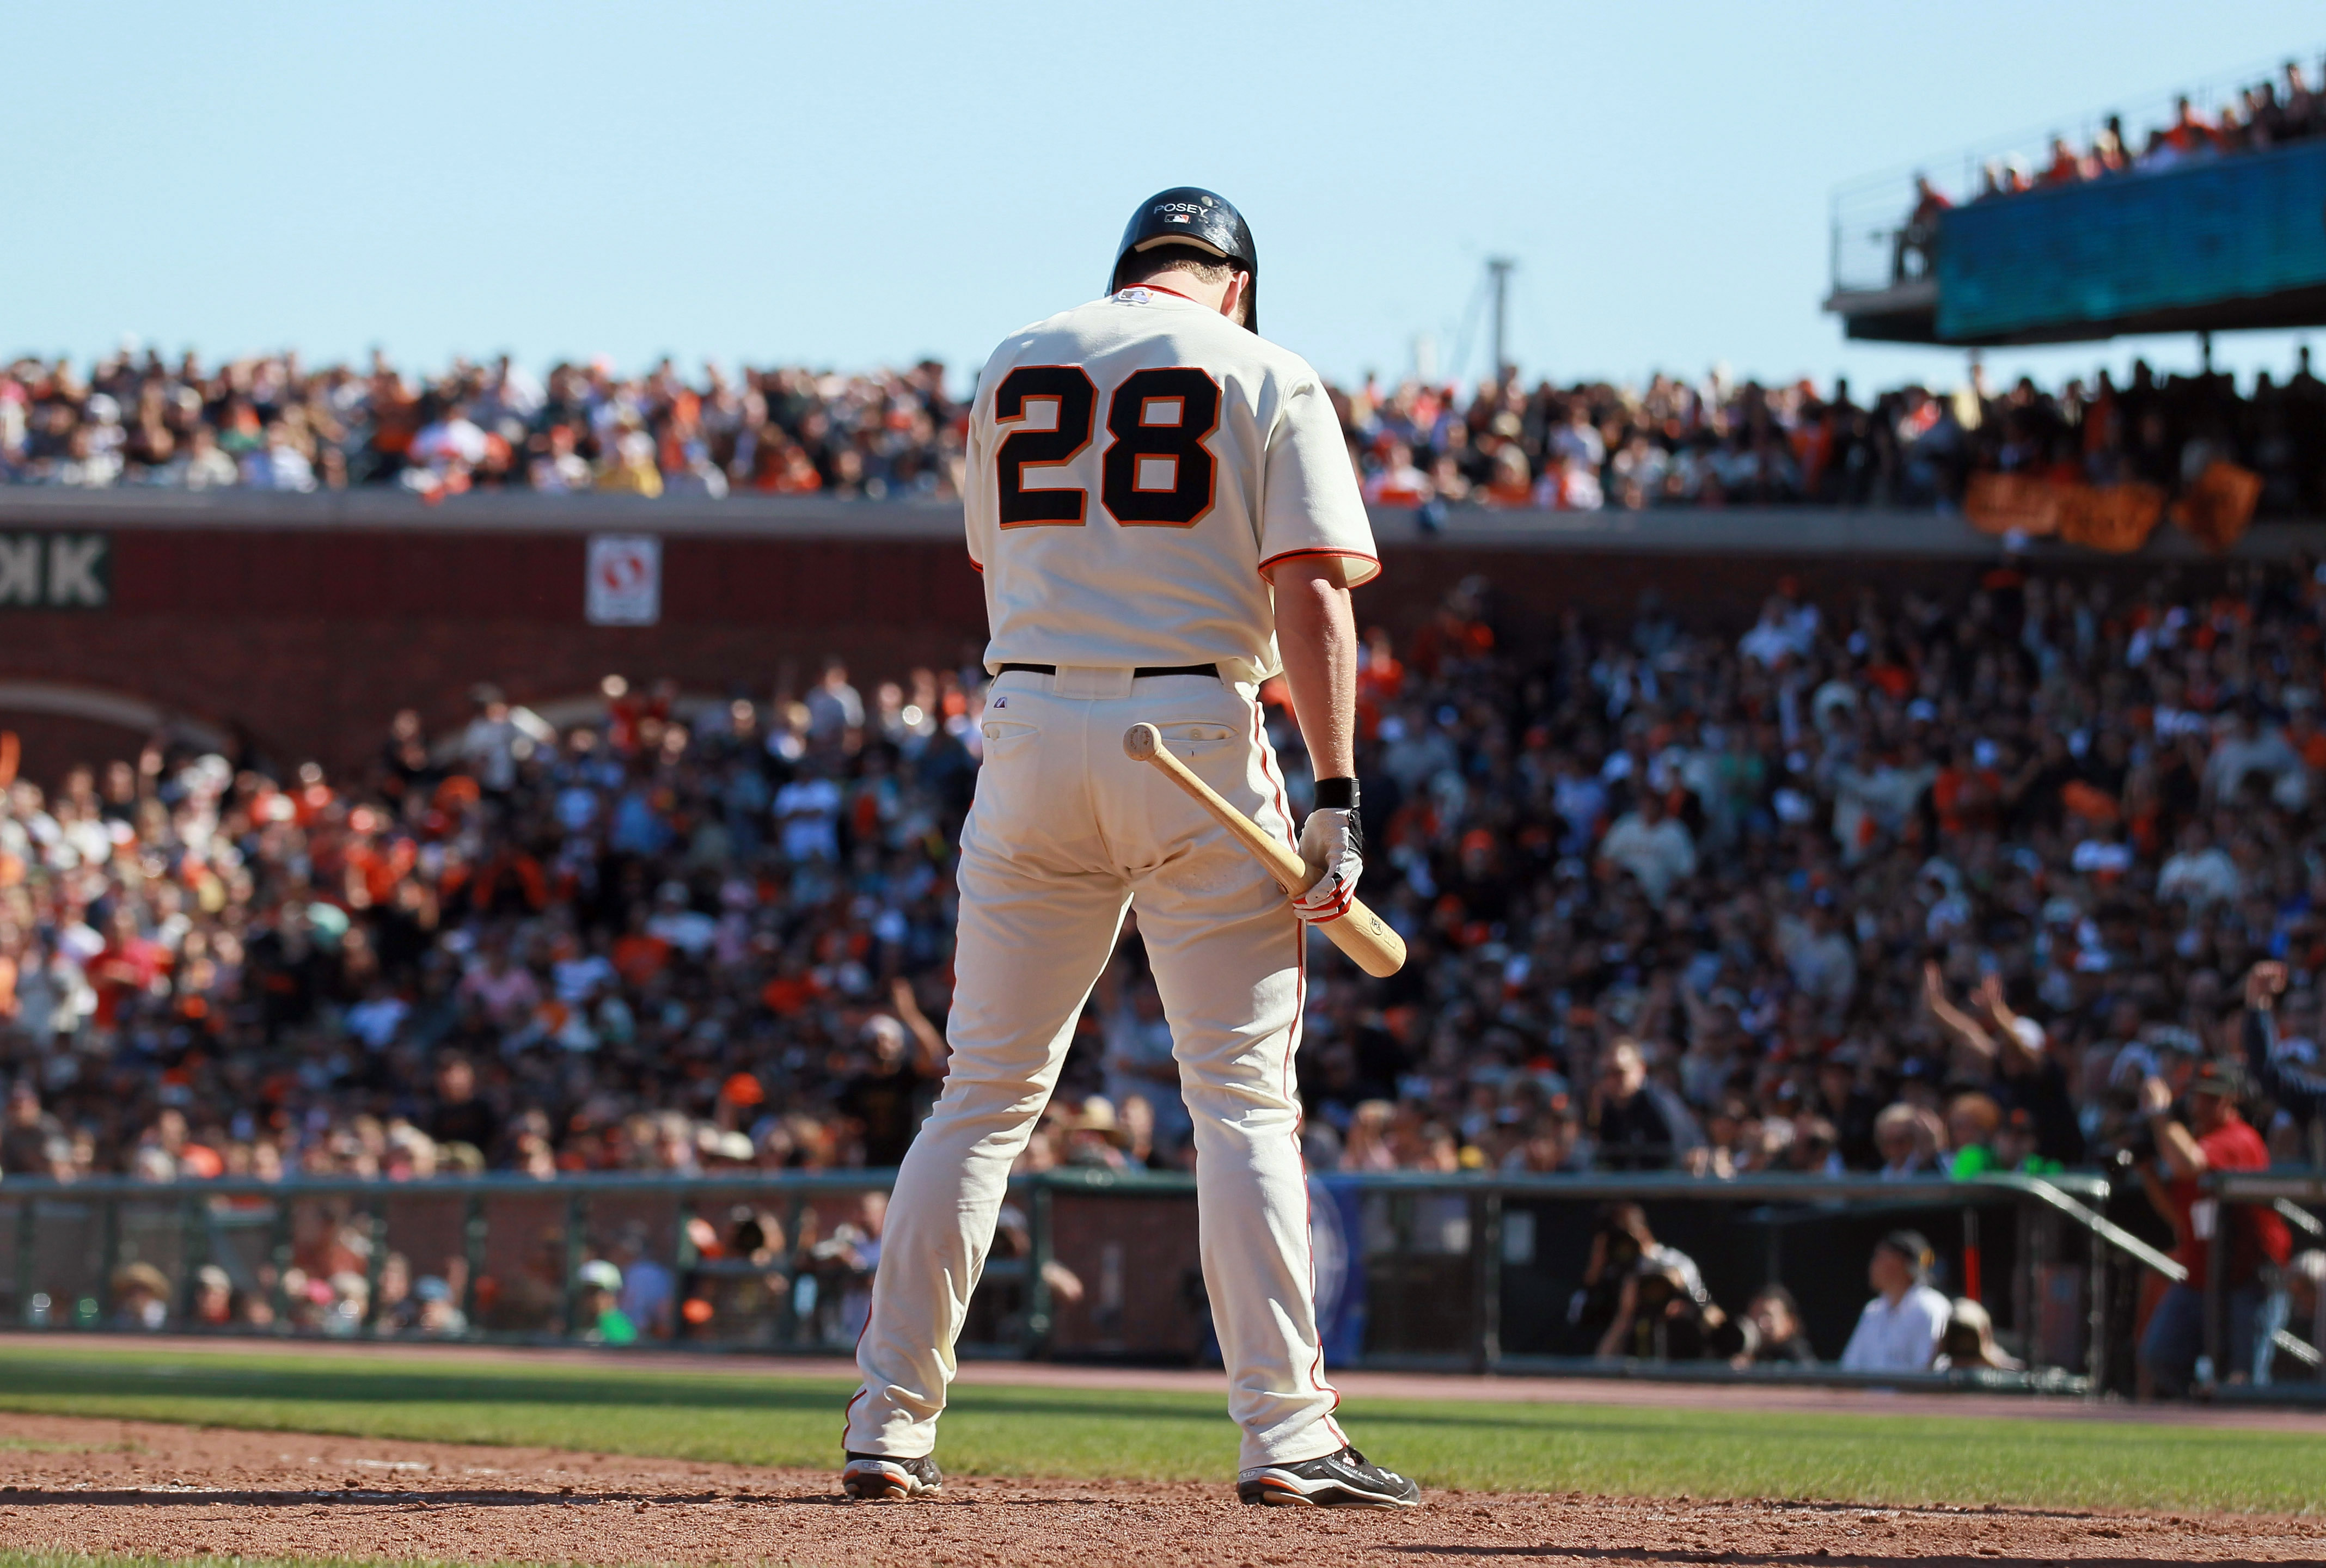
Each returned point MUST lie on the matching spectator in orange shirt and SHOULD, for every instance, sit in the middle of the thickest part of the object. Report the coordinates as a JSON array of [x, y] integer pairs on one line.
[[1917, 240], [2065, 167], [1380, 678], [1457, 633], [128, 966], [1967, 796], [372, 872], [2189, 132], [1397, 482], [639, 955], [1513, 484]]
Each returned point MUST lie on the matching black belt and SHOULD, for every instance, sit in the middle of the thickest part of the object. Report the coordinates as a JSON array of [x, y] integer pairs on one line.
[[1140, 674]]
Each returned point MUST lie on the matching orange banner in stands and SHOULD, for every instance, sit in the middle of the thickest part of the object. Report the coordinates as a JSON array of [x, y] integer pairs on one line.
[[2002, 504], [2116, 518], [2217, 510]]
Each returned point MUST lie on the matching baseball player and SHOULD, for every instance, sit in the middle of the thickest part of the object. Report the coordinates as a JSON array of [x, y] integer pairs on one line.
[[1165, 515]]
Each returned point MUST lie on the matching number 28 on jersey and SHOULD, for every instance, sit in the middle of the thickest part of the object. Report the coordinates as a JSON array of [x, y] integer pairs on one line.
[[1155, 470]]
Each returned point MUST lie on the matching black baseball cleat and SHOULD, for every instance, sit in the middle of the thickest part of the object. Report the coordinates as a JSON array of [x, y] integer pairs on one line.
[[877, 1478], [1337, 1481]]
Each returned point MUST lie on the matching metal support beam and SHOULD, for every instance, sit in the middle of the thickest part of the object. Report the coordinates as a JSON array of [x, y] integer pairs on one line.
[[577, 1244], [1498, 274], [108, 1254], [2096, 1322], [375, 1260], [1486, 1252], [278, 1255], [1037, 1335], [27, 1216], [474, 1232], [193, 1217]]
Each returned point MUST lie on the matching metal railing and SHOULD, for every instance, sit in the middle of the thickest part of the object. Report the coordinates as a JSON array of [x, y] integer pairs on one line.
[[1471, 1272], [2289, 1195]]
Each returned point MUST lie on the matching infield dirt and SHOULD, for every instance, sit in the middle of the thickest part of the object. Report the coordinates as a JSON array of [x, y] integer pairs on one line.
[[99, 1486]]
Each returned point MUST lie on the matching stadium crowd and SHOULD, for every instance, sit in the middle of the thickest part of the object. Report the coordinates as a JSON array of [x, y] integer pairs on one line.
[[1885, 885], [1906, 885], [1716, 443], [2267, 113], [272, 423]]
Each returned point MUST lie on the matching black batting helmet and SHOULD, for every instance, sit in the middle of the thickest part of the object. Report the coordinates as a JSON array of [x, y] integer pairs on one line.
[[1190, 215]]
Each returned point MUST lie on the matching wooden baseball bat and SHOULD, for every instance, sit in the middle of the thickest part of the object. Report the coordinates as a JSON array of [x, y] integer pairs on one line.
[[1361, 933]]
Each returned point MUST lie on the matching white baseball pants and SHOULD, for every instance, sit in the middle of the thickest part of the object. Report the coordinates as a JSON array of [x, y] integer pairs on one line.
[[1065, 834]]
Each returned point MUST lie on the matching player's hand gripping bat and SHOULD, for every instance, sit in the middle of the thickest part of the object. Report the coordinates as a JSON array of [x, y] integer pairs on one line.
[[1361, 933]]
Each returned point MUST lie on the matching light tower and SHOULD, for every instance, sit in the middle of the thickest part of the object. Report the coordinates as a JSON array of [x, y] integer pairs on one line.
[[1498, 274]]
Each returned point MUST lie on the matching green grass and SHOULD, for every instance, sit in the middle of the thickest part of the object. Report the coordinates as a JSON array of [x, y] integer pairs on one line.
[[758, 1415]]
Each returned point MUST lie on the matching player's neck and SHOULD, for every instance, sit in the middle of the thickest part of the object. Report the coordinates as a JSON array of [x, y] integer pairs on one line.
[[1188, 286]]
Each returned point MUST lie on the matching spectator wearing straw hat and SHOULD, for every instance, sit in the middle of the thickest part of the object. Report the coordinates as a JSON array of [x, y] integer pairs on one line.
[[141, 1297], [1899, 1330], [1096, 1137]]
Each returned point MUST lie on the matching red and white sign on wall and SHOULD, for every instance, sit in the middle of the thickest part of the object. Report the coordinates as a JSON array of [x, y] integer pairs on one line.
[[625, 579]]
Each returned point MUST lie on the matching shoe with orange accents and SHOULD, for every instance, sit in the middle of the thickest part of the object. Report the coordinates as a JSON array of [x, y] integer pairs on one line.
[[877, 1478], [1338, 1480]]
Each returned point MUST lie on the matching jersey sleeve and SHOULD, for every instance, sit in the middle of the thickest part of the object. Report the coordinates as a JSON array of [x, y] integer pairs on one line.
[[1310, 504]]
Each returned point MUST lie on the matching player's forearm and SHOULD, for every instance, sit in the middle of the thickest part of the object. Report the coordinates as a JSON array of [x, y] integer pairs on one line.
[[1316, 632]]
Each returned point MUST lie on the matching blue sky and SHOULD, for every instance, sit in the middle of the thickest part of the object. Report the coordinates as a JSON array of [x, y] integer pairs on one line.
[[871, 183]]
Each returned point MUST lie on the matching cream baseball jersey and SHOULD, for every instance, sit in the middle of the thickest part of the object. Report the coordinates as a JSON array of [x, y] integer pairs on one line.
[[1137, 466]]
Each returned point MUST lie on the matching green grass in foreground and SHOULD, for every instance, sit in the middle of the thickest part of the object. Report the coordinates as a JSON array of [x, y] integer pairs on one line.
[[758, 1415]]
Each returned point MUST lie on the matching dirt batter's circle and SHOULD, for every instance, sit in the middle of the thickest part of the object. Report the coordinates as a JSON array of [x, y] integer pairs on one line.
[[178, 1491]]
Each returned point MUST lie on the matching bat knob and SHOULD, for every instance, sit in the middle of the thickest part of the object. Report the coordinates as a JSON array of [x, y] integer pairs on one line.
[[1140, 742]]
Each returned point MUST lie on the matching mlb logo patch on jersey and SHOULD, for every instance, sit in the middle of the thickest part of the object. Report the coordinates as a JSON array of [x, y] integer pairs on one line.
[[1134, 296], [999, 702]]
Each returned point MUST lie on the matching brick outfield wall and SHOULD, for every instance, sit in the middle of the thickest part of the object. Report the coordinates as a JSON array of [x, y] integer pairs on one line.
[[303, 643]]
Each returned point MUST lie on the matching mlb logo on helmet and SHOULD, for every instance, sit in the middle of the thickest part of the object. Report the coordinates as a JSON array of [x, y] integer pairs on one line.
[[1187, 214]]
